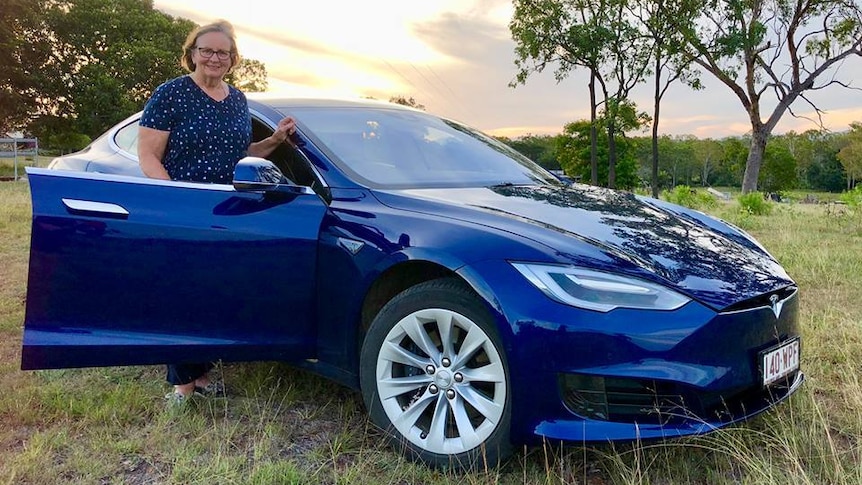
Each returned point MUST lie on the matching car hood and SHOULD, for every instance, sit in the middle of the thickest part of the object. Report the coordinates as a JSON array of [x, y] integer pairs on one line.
[[703, 258]]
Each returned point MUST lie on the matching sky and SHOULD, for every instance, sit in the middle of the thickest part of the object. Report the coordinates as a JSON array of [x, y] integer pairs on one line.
[[456, 57]]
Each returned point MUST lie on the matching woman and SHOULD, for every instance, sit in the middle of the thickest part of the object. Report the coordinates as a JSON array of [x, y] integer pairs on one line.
[[196, 128]]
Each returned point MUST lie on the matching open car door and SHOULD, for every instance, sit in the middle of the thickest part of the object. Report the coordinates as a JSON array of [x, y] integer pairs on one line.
[[128, 271]]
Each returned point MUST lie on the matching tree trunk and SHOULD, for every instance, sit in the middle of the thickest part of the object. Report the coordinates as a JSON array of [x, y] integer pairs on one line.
[[594, 143], [759, 137], [656, 105], [612, 155], [704, 175]]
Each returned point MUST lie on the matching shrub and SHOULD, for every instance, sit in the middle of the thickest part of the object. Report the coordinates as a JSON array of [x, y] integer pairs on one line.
[[686, 196], [754, 203], [853, 198]]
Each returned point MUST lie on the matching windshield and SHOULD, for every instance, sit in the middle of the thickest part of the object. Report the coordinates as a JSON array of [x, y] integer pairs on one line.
[[393, 148]]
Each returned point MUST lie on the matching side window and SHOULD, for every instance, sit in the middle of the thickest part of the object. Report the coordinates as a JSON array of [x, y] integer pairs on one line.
[[288, 159], [127, 139]]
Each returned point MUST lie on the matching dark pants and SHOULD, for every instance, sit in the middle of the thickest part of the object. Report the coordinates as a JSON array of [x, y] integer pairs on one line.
[[180, 374]]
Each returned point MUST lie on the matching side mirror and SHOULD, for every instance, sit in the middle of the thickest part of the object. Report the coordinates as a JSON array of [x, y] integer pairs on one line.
[[253, 174]]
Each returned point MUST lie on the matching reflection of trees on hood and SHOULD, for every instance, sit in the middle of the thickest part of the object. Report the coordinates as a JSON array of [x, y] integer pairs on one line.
[[678, 249]]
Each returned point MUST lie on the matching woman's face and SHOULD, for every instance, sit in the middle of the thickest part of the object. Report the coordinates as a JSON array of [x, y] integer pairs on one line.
[[215, 66]]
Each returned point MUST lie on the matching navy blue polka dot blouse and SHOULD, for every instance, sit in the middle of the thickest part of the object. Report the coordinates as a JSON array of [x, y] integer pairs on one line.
[[207, 137]]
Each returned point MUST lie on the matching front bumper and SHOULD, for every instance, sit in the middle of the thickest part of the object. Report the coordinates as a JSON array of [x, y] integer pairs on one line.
[[670, 423], [586, 376]]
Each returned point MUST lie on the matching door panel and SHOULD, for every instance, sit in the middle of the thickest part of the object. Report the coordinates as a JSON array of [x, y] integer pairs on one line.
[[137, 271]]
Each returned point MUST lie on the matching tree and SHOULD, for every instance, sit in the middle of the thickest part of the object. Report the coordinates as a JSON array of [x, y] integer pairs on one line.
[[106, 59], [668, 59], [734, 151], [573, 153], [573, 148], [708, 154], [568, 35], [851, 154], [595, 34], [102, 62], [677, 155], [783, 48], [779, 169], [800, 147], [827, 174], [628, 64], [815, 154], [540, 149], [24, 50], [250, 76], [405, 101]]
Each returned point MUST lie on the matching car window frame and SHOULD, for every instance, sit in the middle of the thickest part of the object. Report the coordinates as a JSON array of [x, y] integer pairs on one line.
[[112, 141], [319, 185]]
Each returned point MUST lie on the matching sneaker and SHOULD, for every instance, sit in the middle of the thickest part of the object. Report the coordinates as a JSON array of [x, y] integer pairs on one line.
[[176, 400], [213, 389]]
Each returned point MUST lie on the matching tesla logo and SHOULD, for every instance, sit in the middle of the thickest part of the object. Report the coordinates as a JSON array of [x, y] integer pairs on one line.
[[776, 305]]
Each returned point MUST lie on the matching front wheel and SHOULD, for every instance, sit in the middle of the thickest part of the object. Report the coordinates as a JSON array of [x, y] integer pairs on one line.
[[434, 376]]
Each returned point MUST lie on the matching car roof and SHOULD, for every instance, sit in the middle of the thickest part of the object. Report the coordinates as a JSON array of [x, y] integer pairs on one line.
[[280, 101]]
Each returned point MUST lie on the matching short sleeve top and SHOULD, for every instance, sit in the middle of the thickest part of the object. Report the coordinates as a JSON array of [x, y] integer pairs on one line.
[[207, 137]]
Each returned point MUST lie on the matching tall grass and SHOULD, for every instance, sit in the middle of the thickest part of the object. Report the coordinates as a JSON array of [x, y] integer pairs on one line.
[[282, 425]]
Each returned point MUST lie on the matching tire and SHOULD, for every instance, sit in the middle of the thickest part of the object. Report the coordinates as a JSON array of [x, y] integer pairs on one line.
[[434, 377]]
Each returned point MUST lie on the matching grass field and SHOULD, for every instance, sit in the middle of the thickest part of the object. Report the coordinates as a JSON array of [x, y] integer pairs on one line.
[[282, 425], [8, 165]]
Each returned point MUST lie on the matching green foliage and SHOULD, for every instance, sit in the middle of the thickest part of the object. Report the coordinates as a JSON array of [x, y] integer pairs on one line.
[[850, 154], [807, 161], [755, 203], [688, 197], [573, 152], [51, 128], [551, 32], [852, 198], [779, 169], [107, 59], [825, 174], [817, 166], [69, 142], [91, 63], [735, 41], [540, 149], [23, 53], [599, 36]]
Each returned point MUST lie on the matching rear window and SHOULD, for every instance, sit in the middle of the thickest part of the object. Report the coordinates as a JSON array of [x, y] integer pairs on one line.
[[127, 138]]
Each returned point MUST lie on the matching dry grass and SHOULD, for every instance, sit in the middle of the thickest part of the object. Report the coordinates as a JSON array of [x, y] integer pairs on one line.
[[281, 425], [8, 165]]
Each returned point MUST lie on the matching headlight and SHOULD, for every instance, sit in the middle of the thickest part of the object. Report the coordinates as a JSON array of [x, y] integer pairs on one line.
[[595, 290]]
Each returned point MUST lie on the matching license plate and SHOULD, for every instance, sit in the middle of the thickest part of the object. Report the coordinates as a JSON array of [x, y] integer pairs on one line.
[[780, 361]]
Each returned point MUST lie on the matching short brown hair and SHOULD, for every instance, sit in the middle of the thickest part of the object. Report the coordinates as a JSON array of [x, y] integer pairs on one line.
[[222, 26]]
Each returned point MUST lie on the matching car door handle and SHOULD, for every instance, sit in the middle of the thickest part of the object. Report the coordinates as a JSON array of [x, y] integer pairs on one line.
[[92, 208]]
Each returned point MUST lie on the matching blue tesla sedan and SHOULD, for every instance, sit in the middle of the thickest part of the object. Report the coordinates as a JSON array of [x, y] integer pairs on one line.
[[476, 302]]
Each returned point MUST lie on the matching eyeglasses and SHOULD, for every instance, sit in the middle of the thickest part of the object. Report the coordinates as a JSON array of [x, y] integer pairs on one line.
[[206, 53]]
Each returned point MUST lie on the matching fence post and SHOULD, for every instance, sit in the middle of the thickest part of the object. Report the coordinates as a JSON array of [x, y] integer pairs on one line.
[[14, 152]]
